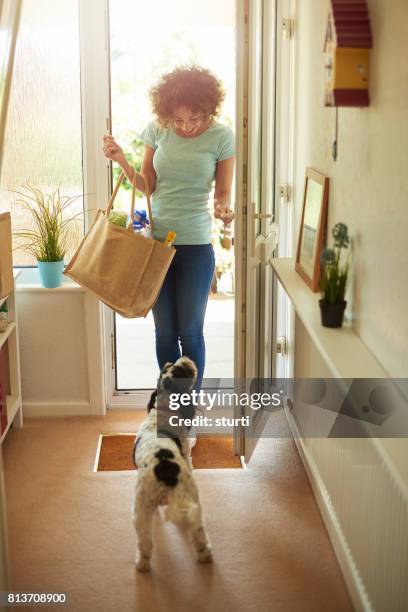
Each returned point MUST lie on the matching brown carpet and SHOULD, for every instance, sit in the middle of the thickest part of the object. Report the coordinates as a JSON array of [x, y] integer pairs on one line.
[[70, 529], [210, 452]]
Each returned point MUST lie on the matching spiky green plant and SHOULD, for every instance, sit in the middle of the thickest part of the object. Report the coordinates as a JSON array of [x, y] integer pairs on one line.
[[50, 237], [333, 281]]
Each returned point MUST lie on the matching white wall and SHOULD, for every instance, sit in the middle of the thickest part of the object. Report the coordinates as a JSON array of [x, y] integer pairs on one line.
[[369, 180], [369, 192], [60, 349], [53, 351]]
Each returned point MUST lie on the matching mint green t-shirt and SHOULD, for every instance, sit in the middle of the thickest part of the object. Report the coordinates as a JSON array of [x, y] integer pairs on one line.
[[185, 169]]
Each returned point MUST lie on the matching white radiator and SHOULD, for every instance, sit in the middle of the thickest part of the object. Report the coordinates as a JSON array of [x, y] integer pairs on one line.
[[364, 503]]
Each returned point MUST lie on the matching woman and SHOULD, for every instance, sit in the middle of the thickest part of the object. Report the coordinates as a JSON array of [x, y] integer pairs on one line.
[[185, 150]]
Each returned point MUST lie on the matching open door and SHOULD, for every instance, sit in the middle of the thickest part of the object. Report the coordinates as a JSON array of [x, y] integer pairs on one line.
[[256, 228]]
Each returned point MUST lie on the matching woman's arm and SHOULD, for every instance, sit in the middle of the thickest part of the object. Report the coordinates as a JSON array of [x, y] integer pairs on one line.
[[223, 184], [113, 151], [147, 168]]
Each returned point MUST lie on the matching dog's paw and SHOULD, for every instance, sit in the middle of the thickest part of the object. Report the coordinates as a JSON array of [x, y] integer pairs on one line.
[[143, 564], [205, 555]]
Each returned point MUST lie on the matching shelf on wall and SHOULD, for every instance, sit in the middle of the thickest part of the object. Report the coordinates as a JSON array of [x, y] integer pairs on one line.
[[4, 336], [347, 357], [342, 349], [13, 404]]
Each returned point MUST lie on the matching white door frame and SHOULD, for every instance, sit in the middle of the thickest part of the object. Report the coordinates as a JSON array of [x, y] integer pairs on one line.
[[256, 234], [95, 68], [95, 101], [95, 91], [285, 138], [284, 130], [240, 208]]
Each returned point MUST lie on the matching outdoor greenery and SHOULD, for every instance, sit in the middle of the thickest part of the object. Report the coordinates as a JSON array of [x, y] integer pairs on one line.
[[133, 151], [52, 232], [333, 282], [134, 71]]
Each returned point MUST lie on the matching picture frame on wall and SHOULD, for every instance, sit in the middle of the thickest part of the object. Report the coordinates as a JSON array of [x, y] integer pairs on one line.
[[9, 21], [312, 231]]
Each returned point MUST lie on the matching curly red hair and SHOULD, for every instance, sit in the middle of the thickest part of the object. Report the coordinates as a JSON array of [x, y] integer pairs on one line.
[[193, 87]]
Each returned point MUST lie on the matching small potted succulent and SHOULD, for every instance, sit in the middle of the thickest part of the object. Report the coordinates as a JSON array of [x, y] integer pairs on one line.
[[333, 281], [49, 237]]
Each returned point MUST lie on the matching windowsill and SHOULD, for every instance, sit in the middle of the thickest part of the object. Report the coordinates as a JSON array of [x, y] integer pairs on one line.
[[28, 280]]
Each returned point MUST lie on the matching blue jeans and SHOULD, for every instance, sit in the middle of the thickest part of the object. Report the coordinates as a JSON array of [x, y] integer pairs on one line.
[[180, 308]]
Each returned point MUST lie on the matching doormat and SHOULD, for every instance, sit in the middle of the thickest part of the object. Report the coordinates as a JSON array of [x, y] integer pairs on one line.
[[115, 452]]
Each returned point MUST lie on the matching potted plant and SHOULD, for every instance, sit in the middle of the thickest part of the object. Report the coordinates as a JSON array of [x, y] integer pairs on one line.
[[333, 281], [48, 240]]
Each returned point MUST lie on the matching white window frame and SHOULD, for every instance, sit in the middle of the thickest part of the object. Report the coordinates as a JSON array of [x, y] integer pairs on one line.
[[95, 102], [96, 113]]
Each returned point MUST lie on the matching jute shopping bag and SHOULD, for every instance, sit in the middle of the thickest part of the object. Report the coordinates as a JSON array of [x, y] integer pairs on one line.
[[125, 270], [6, 257]]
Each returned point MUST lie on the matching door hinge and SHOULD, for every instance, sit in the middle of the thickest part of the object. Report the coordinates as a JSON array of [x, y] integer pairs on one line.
[[284, 193], [281, 346], [287, 28], [243, 317], [113, 351]]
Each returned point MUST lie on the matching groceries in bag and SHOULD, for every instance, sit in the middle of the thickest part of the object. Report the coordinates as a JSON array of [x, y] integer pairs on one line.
[[119, 217], [170, 238], [141, 222], [123, 269]]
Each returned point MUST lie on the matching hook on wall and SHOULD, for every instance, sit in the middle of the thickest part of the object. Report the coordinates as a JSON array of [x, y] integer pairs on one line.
[[336, 133]]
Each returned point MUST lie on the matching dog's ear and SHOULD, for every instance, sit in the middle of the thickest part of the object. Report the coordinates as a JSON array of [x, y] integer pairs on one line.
[[166, 367], [185, 368], [152, 401]]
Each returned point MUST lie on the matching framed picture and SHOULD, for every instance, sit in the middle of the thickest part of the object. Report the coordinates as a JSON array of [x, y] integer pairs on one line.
[[9, 20], [312, 233]]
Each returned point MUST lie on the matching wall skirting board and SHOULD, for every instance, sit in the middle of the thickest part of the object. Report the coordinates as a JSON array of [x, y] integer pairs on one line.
[[56, 409]]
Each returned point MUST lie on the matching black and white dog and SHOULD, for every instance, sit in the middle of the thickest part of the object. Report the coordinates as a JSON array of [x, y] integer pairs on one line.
[[165, 476]]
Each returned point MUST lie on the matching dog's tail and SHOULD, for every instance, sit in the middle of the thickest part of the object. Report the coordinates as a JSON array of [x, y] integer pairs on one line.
[[182, 509]]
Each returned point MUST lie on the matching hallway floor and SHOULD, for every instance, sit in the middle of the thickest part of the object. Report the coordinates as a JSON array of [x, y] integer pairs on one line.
[[71, 530]]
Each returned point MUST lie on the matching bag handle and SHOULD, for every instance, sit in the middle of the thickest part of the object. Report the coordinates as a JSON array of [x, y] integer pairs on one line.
[[114, 194], [133, 198]]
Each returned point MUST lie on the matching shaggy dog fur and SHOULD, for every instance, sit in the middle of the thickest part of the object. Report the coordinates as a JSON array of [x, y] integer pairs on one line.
[[165, 476]]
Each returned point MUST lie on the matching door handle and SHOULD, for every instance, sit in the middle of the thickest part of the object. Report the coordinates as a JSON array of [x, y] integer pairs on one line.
[[262, 215]]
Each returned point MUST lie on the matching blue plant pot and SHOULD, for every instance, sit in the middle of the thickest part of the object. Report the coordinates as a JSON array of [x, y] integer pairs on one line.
[[51, 273]]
